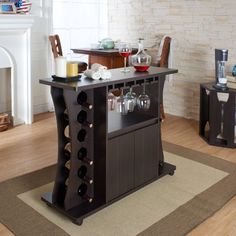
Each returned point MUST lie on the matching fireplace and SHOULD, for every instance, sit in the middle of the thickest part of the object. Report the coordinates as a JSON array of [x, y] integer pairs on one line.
[[15, 53]]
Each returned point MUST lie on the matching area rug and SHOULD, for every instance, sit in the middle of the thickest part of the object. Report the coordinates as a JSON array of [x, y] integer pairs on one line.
[[172, 205]]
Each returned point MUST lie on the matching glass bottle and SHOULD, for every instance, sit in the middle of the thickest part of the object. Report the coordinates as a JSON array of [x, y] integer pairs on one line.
[[141, 61]]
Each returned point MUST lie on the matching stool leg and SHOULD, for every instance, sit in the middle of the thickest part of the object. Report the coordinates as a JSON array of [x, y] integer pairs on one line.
[[163, 116]]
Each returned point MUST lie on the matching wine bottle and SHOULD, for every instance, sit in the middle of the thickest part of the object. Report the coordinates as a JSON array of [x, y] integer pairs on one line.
[[82, 119], [65, 173], [67, 151], [65, 115], [67, 165], [82, 174], [82, 190], [68, 147], [65, 177], [81, 135], [82, 100], [82, 156], [67, 182], [67, 132], [67, 154]]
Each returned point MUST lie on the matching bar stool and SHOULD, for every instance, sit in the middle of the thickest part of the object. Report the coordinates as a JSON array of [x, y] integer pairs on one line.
[[164, 63]]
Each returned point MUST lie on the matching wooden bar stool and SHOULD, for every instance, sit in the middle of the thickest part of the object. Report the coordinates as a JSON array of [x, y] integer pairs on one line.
[[57, 51], [164, 63]]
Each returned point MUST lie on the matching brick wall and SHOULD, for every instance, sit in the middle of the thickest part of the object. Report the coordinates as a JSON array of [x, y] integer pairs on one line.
[[197, 26]]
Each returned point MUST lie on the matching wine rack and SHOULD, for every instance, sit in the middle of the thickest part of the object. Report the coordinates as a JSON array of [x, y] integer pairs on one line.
[[102, 155]]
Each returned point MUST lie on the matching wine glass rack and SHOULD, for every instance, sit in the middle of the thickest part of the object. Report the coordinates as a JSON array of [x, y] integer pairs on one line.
[[102, 155]]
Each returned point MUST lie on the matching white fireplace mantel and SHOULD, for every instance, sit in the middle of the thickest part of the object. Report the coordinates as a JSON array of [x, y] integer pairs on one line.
[[15, 44], [16, 22]]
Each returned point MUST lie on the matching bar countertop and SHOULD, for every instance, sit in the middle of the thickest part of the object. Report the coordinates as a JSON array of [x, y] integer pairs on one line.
[[117, 77]]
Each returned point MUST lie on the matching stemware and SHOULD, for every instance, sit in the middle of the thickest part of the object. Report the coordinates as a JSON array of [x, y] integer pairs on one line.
[[125, 50], [122, 105], [131, 100], [111, 100], [144, 100]]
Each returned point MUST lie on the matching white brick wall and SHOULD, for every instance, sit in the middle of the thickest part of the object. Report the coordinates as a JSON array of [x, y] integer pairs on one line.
[[198, 27]]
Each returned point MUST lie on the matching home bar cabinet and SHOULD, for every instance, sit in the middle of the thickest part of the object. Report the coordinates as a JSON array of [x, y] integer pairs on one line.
[[104, 155]]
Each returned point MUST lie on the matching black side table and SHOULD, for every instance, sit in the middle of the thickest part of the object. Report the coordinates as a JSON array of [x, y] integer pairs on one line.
[[217, 122]]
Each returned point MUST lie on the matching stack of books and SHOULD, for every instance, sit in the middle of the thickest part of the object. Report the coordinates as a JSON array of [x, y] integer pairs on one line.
[[231, 81]]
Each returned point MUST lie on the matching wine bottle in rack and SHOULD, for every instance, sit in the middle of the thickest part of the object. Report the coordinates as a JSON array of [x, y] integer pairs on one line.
[[67, 165], [65, 173], [82, 100], [81, 135], [82, 156], [65, 115], [67, 132], [82, 119], [82, 174], [67, 182], [67, 151], [82, 192]]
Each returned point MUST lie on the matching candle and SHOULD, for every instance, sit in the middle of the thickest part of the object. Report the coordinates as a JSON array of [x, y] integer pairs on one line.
[[60, 66], [72, 69]]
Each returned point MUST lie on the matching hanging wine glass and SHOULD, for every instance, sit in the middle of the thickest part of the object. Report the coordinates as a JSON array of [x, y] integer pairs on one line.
[[144, 100], [125, 50], [131, 99], [111, 100], [122, 105]]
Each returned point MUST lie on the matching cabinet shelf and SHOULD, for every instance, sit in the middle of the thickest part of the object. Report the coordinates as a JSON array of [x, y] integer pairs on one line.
[[119, 124]]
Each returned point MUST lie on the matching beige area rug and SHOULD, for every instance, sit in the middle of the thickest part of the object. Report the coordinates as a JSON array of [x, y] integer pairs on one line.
[[172, 205]]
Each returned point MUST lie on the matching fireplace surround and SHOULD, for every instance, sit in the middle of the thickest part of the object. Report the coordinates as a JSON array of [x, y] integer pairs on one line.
[[15, 52]]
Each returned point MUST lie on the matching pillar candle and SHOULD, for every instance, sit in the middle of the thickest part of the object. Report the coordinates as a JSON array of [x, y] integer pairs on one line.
[[72, 69], [60, 66]]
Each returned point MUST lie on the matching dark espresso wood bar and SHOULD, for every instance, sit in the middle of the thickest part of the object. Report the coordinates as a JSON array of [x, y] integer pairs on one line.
[[105, 155]]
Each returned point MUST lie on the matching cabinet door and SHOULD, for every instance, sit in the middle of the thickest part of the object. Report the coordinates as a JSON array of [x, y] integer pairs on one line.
[[146, 154], [120, 166]]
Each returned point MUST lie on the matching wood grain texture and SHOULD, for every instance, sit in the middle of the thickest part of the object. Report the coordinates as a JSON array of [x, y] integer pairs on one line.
[[146, 154], [4, 231], [120, 166], [110, 62], [27, 148]]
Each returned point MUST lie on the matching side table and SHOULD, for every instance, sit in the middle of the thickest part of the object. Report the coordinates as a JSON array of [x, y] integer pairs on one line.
[[107, 57], [217, 122]]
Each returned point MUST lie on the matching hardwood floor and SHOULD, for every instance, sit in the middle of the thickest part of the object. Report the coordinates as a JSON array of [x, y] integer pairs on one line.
[[27, 148]]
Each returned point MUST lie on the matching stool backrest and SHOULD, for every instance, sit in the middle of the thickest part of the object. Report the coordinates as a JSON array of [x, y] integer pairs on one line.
[[165, 52], [56, 45]]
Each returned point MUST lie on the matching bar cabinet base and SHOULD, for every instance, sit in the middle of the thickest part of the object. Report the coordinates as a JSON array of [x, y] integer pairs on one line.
[[77, 214], [103, 155]]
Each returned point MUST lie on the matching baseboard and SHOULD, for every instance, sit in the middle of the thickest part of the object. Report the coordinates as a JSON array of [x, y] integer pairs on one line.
[[41, 108]]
